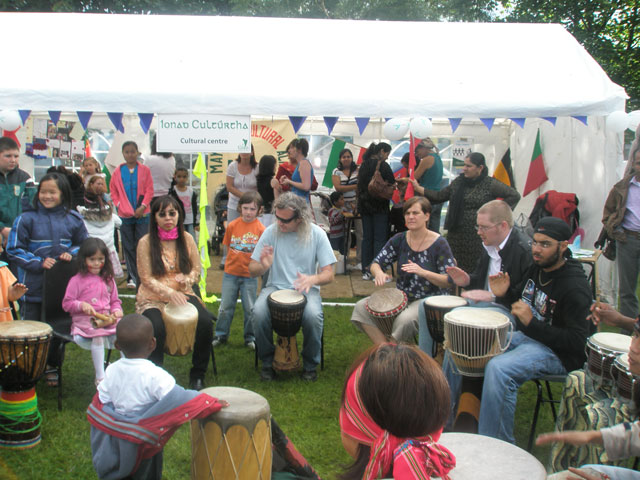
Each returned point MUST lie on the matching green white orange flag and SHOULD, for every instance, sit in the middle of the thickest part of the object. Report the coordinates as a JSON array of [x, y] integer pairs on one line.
[[200, 171], [332, 163], [537, 174]]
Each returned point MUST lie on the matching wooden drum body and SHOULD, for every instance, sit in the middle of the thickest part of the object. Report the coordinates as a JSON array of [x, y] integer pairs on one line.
[[435, 308], [180, 322], [474, 336], [384, 306], [24, 346], [627, 386], [234, 443], [286, 308], [602, 349]]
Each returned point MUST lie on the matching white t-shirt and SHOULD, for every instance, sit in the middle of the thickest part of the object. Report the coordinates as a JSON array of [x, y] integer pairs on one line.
[[186, 197], [162, 170], [291, 255], [244, 183], [134, 384]]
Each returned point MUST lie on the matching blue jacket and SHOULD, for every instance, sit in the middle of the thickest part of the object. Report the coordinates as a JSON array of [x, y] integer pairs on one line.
[[40, 233]]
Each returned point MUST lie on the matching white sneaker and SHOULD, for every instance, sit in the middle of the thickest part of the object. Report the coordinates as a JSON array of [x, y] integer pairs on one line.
[[367, 276], [353, 268], [131, 284]]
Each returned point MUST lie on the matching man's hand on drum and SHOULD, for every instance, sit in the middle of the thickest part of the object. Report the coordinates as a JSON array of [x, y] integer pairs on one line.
[[478, 295], [303, 283], [178, 298], [605, 313], [87, 309], [48, 263], [266, 256], [459, 276], [66, 257], [499, 284], [522, 311]]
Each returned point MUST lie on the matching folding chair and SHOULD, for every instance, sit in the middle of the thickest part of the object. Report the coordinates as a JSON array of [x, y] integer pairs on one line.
[[540, 400]]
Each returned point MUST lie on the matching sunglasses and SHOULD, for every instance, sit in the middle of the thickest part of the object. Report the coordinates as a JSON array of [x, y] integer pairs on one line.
[[286, 220]]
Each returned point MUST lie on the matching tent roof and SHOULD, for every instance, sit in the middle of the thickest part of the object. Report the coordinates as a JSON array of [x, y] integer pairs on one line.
[[276, 66]]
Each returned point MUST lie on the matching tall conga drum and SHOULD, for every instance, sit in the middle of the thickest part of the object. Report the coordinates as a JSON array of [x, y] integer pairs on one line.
[[602, 349], [235, 442], [24, 346], [180, 322], [384, 306], [286, 308], [435, 308]]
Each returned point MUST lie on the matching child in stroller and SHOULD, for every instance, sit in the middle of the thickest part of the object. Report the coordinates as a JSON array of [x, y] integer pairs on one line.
[[220, 211]]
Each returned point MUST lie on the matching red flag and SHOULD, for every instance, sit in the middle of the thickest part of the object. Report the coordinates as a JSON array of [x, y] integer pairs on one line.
[[359, 161], [537, 175], [12, 134], [87, 149], [413, 143]]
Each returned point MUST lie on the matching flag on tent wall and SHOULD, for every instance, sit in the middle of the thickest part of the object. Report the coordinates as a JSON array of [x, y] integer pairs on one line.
[[334, 158], [537, 174], [503, 171], [413, 143], [360, 155]]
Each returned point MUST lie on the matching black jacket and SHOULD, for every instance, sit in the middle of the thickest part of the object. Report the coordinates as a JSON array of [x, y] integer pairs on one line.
[[516, 260], [368, 204]]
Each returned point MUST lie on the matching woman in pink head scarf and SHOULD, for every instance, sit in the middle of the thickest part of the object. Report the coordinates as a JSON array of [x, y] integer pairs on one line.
[[394, 405]]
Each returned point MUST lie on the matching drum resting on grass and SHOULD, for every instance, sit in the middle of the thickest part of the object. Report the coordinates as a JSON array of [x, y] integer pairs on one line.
[[286, 308], [180, 322], [474, 336]]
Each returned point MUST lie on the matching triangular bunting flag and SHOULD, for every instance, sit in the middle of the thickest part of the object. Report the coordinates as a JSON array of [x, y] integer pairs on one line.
[[580, 118], [537, 175], [116, 119], [332, 163], [54, 116], [488, 122], [551, 120], [503, 171], [296, 123], [518, 121], [84, 118], [330, 122], [455, 123], [24, 114], [145, 121], [362, 123]]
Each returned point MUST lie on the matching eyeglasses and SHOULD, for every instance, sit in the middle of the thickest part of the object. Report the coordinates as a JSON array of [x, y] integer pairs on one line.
[[170, 213], [545, 244], [286, 220], [484, 228]]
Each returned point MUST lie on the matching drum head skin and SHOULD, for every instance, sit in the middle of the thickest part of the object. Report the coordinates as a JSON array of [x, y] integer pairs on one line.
[[445, 301], [181, 312], [612, 341], [477, 317], [623, 360], [245, 407], [287, 297], [385, 300], [24, 329]]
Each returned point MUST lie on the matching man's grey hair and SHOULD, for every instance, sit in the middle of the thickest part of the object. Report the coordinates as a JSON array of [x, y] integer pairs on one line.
[[301, 209]]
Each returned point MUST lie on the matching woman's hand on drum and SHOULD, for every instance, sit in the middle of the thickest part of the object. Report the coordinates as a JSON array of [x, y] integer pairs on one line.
[[412, 267], [478, 295], [178, 298], [459, 276], [183, 280], [380, 279], [499, 284], [303, 283], [266, 256], [66, 257], [48, 263], [87, 309], [522, 311]]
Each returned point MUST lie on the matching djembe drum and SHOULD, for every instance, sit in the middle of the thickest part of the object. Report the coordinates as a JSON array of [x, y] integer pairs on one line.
[[286, 308], [435, 308], [180, 322], [384, 306], [24, 346], [602, 349], [235, 442], [474, 336]]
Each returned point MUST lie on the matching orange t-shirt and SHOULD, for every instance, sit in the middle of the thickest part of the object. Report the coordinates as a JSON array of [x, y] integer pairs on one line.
[[6, 280], [241, 238]]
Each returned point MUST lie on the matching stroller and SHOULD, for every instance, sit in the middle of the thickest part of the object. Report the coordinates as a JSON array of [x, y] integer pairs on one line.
[[220, 211]]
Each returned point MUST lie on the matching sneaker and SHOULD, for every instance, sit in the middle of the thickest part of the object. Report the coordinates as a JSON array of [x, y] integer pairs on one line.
[[131, 284], [196, 384], [251, 345], [367, 276], [354, 268], [309, 376], [267, 374], [218, 341]]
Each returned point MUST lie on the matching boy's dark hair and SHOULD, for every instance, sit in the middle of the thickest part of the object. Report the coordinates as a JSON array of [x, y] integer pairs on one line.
[[130, 143], [133, 333], [334, 197], [250, 197], [181, 169], [7, 143]]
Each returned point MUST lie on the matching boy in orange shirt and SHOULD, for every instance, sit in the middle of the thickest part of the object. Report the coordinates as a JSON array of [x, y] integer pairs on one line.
[[10, 291], [241, 237]]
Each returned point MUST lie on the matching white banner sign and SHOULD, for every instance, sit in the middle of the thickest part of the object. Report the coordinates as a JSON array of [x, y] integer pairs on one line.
[[184, 133]]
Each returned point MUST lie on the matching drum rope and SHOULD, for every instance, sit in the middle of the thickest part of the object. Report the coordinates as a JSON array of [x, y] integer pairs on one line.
[[12, 362], [20, 416]]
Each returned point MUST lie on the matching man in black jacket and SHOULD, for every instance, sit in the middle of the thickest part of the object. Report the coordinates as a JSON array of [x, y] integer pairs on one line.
[[550, 318]]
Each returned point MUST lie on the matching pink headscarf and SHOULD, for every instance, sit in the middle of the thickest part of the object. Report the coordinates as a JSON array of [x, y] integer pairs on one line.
[[413, 458]]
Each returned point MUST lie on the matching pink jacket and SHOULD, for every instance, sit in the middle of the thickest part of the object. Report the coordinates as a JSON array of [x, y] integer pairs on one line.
[[119, 195], [102, 297]]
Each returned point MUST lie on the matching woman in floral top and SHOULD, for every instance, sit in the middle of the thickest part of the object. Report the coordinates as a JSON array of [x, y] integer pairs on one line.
[[422, 257]]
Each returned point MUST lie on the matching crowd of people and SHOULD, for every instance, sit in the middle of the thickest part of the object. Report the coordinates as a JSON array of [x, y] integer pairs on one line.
[[396, 400]]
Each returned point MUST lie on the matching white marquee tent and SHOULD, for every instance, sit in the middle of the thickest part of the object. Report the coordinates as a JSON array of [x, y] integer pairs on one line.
[[301, 67]]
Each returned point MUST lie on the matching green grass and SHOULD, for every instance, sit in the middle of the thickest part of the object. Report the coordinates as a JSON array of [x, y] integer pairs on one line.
[[307, 412]]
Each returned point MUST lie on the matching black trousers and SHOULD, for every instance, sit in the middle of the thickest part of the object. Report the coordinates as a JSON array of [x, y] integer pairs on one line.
[[204, 336]]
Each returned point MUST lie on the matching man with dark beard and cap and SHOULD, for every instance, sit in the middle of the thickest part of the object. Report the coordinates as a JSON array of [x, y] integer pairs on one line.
[[550, 320]]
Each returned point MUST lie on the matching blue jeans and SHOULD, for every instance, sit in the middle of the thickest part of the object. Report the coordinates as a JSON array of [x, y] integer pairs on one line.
[[131, 234], [524, 360], [231, 286], [375, 230], [628, 263], [312, 324]]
